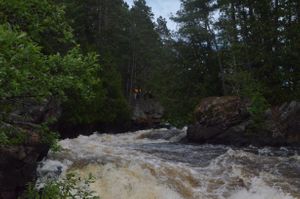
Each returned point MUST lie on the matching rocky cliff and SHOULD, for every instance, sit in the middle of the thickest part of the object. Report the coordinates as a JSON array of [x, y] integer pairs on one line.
[[18, 160], [147, 112], [18, 166], [226, 120]]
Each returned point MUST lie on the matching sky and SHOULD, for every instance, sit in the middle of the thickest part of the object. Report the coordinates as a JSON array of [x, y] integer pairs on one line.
[[163, 8]]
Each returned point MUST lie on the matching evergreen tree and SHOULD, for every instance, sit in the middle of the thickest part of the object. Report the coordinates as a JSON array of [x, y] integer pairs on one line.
[[162, 30], [144, 46], [101, 26]]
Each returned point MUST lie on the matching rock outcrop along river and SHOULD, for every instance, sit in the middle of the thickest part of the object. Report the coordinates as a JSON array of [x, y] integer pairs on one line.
[[152, 164]]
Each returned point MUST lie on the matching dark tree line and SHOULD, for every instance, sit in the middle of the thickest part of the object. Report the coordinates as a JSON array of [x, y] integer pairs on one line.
[[235, 47], [222, 47], [124, 35]]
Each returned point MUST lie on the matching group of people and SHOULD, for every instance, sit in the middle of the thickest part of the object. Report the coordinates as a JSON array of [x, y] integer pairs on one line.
[[138, 93]]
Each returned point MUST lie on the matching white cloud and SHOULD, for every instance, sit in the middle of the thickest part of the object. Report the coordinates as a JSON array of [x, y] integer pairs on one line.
[[163, 8]]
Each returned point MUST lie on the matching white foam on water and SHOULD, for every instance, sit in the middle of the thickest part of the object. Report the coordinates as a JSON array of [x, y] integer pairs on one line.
[[126, 182], [51, 169], [124, 170], [260, 190]]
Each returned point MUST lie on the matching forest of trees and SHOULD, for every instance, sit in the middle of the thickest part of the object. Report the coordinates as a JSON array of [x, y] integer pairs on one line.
[[221, 47], [237, 47], [90, 54]]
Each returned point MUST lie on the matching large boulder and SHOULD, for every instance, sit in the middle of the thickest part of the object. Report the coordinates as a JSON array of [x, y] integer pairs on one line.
[[284, 121], [147, 112], [221, 112], [226, 120]]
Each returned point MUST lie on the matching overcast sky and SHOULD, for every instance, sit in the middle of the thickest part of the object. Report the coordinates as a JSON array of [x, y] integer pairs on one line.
[[163, 8]]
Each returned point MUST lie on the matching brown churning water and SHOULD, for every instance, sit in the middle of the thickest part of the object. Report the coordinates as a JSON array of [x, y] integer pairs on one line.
[[151, 164]]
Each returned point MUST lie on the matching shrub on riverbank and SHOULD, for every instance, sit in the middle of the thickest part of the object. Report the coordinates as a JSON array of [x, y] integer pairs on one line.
[[31, 80], [69, 187]]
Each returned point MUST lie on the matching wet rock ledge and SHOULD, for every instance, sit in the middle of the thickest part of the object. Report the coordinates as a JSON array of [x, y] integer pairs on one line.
[[18, 166], [226, 120], [18, 162]]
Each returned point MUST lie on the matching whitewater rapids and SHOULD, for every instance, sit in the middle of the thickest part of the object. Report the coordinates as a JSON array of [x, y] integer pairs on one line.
[[152, 164]]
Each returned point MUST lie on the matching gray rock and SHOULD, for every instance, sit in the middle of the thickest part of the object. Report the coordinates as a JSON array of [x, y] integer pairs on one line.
[[225, 120], [18, 167], [18, 163], [147, 112]]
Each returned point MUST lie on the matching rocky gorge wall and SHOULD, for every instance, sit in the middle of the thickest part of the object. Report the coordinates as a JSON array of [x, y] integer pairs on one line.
[[18, 160], [18, 166], [227, 120]]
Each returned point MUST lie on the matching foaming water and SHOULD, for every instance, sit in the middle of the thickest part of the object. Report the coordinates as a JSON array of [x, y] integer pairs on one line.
[[151, 164], [260, 190], [127, 182]]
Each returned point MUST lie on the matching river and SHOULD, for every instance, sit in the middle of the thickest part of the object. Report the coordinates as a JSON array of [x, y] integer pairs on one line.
[[152, 164]]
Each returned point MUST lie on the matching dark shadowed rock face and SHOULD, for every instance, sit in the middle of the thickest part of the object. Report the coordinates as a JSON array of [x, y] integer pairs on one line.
[[18, 166], [225, 120], [284, 121], [215, 115], [18, 163], [147, 112], [221, 111]]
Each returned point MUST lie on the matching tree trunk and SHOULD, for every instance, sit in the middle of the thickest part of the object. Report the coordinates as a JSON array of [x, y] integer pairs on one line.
[[221, 67]]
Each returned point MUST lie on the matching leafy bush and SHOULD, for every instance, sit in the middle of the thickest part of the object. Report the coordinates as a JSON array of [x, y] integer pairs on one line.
[[25, 71], [244, 85], [10, 135], [43, 20], [108, 106], [67, 188], [29, 76], [258, 107], [39, 61]]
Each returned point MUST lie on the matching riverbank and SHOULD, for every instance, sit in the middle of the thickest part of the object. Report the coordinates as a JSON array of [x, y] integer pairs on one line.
[[219, 121]]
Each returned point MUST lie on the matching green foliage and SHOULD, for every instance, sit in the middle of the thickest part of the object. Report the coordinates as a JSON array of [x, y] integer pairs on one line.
[[49, 137], [257, 109], [3, 139], [260, 40], [108, 34], [241, 83], [69, 187], [260, 37], [115, 108], [27, 75], [125, 36], [11, 136], [39, 58], [26, 71], [192, 71], [76, 72], [21, 61], [244, 85], [42, 20], [108, 105]]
